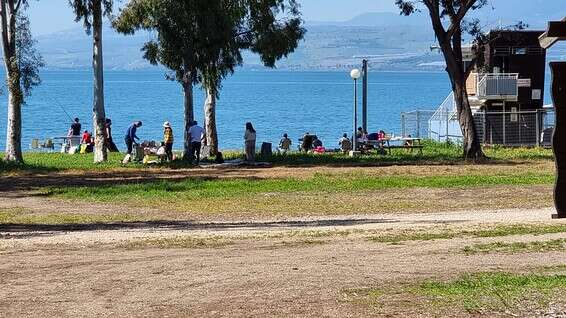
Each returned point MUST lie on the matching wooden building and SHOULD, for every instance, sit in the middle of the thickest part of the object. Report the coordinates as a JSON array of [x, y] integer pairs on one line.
[[506, 91]]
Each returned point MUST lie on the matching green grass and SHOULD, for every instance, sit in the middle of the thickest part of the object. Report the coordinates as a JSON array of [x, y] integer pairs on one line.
[[498, 231], [479, 294], [517, 247], [433, 153], [494, 291], [20, 217], [178, 242], [199, 189]]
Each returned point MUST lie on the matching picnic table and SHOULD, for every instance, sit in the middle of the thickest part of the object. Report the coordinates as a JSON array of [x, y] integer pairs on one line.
[[390, 143], [66, 140]]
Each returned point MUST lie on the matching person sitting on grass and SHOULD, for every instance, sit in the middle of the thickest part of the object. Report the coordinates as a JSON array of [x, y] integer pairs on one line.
[[87, 145], [307, 146], [316, 143], [285, 144], [345, 143]]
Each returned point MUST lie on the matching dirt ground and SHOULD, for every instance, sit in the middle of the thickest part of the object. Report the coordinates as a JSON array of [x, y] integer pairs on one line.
[[264, 272], [285, 266]]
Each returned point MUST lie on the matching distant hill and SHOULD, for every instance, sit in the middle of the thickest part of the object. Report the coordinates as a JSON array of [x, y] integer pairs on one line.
[[390, 41]]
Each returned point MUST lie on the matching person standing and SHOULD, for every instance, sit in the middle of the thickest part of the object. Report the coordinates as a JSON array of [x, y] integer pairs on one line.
[[110, 145], [75, 129], [196, 134], [168, 140], [250, 140], [131, 136], [74, 134]]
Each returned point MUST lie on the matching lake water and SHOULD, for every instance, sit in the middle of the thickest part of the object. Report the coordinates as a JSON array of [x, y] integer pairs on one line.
[[274, 101]]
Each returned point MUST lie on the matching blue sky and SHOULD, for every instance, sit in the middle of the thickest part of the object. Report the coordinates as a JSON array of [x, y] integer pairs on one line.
[[48, 16]]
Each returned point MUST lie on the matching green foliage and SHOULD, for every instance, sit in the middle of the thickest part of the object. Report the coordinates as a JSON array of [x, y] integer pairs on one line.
[[29, 59], [84, 10], [202, 40]]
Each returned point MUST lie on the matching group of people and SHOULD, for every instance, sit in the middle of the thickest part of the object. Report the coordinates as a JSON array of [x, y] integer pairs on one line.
[[83, 141], [196, 135]]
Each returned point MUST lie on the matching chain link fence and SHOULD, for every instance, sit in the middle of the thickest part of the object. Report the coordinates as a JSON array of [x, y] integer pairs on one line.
[[521, 128], [415, 123]]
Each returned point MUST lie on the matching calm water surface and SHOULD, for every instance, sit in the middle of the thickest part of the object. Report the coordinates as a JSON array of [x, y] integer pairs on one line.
[[275, 101]]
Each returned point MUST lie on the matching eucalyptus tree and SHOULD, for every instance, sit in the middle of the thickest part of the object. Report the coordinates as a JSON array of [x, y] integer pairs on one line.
[[201, 41], [449, 22], [22, 62], [181, 41], [270, 28], [92, 12]]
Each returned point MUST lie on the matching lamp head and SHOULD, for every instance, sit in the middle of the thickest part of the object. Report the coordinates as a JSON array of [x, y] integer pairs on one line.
[[355, 74]]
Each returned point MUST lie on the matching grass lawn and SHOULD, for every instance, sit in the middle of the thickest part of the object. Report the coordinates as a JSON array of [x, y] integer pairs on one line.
[[298, 184], [517, 247], [322, 194], [434, 153], [481, 293], [498, 231]]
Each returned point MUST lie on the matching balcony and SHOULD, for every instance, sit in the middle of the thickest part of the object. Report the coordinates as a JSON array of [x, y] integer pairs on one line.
[[497, 86]]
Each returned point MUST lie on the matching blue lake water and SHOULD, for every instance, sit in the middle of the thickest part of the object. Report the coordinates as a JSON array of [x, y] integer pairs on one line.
[[274, 101]]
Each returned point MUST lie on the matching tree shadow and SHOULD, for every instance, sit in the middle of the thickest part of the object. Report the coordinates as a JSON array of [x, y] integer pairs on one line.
[[19, 183], [26, 230]]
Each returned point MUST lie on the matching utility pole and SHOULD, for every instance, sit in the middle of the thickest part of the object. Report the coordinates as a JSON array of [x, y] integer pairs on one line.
[[365, 95]]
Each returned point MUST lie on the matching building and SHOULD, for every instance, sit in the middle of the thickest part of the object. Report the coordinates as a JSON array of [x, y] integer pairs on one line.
[[506, 91]]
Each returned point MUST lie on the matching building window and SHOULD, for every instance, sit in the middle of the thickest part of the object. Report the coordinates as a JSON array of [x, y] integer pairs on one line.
[[537, 94], [520, 51]]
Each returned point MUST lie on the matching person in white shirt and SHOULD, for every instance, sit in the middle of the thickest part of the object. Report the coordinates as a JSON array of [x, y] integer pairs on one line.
[[250, 140], [196, 134]]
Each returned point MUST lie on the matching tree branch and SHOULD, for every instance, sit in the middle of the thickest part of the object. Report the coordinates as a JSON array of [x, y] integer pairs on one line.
[[456, 20]]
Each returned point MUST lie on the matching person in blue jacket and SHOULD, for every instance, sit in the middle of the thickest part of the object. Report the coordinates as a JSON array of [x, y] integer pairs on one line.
[[131, 136]]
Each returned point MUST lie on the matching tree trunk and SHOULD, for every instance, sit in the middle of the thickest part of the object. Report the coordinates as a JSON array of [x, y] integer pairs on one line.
[[472, 145], [189, 113], [98, 112], [457, 74], [210, 122], [15, 94], [14, 132]]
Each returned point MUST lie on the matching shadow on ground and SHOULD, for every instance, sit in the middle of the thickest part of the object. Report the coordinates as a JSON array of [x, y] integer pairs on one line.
[[185, 225]]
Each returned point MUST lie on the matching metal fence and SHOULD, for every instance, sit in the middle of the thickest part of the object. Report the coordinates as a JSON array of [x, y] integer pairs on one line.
[[415, 123], [522, 128]]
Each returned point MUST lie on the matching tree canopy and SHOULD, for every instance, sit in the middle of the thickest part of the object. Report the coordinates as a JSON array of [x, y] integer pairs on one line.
[[199, 37], [84, 9]]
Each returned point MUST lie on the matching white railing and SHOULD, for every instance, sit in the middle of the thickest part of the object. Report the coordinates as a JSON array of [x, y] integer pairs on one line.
[[498, 86]]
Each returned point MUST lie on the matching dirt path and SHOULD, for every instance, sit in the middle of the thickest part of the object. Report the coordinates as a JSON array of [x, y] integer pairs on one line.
[[112, 232], [67, 272]]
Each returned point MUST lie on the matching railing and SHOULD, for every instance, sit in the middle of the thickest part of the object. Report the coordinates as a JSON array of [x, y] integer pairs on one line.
[[498, 86]]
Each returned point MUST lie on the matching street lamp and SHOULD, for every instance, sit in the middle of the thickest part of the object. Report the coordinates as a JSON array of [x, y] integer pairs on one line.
[[355, 75]]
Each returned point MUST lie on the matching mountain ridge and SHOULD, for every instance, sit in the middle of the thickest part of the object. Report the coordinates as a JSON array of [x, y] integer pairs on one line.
[[393, 42]]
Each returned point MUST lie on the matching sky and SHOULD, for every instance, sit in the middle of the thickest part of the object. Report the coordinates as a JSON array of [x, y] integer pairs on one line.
[[49, 16]]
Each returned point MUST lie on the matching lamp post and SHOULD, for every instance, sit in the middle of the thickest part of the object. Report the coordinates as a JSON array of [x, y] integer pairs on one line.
[[355, 75]]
